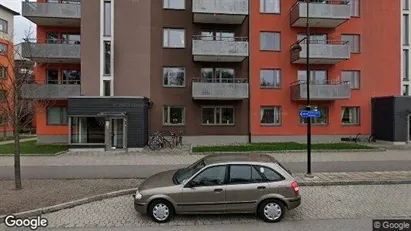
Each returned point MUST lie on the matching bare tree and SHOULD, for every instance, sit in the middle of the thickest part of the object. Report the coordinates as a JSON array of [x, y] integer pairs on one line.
[[19, 101]]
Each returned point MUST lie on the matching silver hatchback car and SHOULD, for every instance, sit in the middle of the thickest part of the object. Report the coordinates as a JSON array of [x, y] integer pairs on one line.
[[228, 183]]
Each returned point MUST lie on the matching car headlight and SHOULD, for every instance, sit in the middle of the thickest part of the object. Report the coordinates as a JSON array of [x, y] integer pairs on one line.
[[138, 195]]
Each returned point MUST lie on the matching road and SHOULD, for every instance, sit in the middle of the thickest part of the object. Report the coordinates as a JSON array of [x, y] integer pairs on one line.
[[143, 171], [307, 225]]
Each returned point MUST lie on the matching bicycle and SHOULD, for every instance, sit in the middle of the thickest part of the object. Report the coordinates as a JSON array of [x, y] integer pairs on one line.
[[180, 139], [157, 141]]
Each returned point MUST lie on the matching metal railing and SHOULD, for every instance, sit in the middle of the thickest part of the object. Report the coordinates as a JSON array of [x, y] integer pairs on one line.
[[319, 82], [216, 80], [330, 2], [66, 9], [220, 38], [55, 82], [54, 41], [319, 41]]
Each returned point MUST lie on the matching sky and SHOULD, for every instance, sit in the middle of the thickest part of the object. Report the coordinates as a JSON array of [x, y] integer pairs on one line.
[[21, 25]]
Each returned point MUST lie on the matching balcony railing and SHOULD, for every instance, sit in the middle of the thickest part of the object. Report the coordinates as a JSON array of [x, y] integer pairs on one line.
[[325, 13], [219, 49], [225, 89], [53, 14], [321, 52], [321, 90], [52, 51], [220, 11], [41, 89]]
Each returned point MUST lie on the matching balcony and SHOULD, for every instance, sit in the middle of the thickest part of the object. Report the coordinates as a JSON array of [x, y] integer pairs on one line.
[[325, 14], [48, 90], [235, 89], [214, 49], [220, 11], [53, 14], [321, 52], [328, 90], [52, 52]]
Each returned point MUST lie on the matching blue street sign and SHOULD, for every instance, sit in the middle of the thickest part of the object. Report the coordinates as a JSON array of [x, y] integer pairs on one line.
[[310, 114]]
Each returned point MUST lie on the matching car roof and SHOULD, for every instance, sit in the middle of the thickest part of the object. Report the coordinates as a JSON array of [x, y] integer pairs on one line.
[[237, 157]]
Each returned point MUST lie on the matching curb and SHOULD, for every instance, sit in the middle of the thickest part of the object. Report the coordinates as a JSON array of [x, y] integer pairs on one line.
[[294, 151], [23, 155], [354, 182], [71, 204]]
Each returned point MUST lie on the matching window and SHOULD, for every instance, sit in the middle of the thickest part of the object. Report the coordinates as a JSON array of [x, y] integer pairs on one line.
[[352, 78], [173, 115], [87, 130], [211, 176], [270, 115], [71, 38], [217, 75], [406, 30], [3, 95], [70, 76], [244, 174], [174, 76], [107, 58], [270, 41], [174, 4], [270, 6], [52, 76], [107, 18], [4, 26], [106, 87], [314, 38], [405, 4], [270, 78], [3, 72], [56, 115], [355, 7], [350, 115], [405, 64], [353, 41], [174, 38], [323, 120], [269, 174], [405, 90], [217, 115], [218, 36], [3, 49], [316, 76]]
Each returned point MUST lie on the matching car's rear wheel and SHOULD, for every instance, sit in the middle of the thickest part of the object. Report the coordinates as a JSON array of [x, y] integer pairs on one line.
[[271, 210], [161, 211]]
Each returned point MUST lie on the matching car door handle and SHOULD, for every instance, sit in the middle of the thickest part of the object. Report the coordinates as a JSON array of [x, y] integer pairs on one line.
[[217, 190], [261, 187]]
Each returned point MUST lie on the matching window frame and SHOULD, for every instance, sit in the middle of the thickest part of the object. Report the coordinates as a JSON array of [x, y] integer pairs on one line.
[[168, 29], [353, 36], [62, 123], [264, 7], [171, 8], [357, 109], [3, 72], [189, 181], [228, 174], [169, 117], [266, 179], [405, 90], [6, 25], [215, 115], [279, 108], [3, 93], [174, 86], [359, 9], [352, 76], [314, 120], [6, 51], [273, 70], [274, 33]]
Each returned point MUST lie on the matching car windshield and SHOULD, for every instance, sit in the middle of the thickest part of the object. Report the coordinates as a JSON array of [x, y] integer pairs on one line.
[[183, 174]]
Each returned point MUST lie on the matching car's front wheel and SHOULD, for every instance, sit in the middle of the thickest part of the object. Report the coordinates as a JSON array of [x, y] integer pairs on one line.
[[161, 211], [271, 210]]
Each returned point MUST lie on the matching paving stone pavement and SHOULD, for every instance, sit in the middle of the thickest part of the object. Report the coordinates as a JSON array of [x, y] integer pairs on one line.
[[182, 156], [331, 202]]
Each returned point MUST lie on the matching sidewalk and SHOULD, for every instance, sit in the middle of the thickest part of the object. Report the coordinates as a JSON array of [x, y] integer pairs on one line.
[[354, 178], [184, 157], [22, 139]]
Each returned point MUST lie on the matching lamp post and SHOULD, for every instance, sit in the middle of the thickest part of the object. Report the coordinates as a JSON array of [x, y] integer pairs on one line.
[[308, 79]]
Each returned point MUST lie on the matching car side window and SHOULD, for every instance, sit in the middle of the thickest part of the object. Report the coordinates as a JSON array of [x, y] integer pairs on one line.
[[244, 174], [269, 173], [211, 176]]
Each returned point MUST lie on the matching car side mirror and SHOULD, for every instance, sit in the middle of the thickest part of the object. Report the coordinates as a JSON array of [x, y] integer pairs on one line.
[[190, 184]]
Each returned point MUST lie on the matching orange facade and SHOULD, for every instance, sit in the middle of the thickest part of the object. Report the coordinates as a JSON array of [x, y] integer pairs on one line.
[[378, 62], [7, 61], [40, 74]]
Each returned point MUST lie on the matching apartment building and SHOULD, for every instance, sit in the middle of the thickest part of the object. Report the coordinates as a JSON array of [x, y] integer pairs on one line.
[[405, 55], [113, 71], [353, 54], [6, 65]]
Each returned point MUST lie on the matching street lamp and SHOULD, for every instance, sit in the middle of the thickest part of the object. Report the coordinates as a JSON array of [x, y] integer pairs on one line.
[[308, 107]]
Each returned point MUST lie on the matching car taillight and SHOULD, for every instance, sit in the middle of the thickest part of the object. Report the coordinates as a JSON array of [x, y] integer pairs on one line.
[[296, 188]]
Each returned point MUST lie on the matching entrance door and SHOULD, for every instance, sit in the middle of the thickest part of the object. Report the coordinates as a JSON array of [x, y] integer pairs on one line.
[[116, 134]]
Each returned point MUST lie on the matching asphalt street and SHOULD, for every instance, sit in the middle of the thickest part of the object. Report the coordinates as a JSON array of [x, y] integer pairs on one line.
[[306, 225], [143, 171]]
